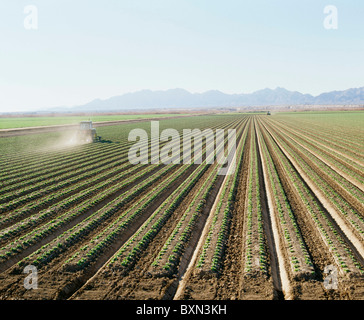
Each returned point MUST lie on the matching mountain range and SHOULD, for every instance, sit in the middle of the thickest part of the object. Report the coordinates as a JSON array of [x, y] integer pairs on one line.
[[182, 99]]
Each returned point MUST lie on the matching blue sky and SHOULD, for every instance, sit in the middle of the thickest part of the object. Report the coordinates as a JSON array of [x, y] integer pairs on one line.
[[88, 49]]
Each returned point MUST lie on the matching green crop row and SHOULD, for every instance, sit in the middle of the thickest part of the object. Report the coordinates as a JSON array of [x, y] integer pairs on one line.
[[73, 235], [330, 173], [346, 165], [89, 253], [343, 207], [130, 251], [182, 232], [211, 257], [254, 218], [340, 251], [299, 257], [41, 232]]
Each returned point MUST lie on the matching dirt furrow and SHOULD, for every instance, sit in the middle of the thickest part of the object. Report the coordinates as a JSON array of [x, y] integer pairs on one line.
[[349, 178], [344, 156], [349, 234], [281, 278], [155, 288]]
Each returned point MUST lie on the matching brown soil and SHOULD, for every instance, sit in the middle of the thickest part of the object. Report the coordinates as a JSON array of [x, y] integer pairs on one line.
[[138, 283], [349, 231], [252, 286], [318, 250], [99, 281]]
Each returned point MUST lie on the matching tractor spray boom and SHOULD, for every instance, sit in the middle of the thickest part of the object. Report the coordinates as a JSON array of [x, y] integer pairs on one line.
[[87, 133]]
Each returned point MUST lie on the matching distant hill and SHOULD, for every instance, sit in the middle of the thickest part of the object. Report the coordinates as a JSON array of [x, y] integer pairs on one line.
[[182, 99], [350, 96]]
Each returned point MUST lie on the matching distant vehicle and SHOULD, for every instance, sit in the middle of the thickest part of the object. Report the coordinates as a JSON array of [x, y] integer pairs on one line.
[[268, 113], [87, 133]]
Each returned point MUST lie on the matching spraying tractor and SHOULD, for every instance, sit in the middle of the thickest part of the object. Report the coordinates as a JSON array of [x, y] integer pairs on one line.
[[86, 133]]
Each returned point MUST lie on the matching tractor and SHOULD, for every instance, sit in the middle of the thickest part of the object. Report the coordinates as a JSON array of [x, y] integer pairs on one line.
[[268, 113], [86, 133]]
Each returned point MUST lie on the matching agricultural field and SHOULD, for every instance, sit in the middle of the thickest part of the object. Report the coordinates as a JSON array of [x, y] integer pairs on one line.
[[39, 121], [286, 224]]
